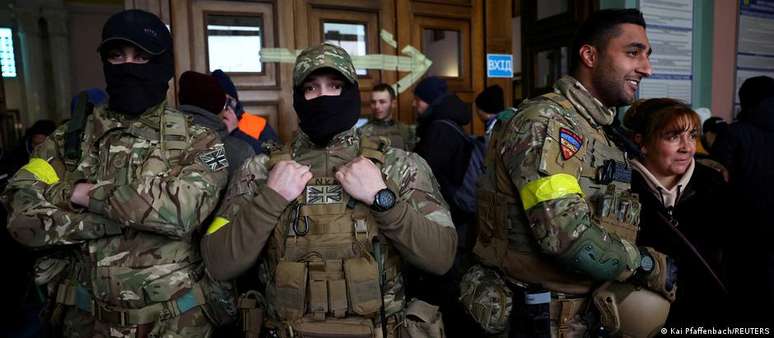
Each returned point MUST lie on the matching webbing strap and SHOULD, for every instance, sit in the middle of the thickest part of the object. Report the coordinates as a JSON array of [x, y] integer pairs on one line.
[[151, 313]]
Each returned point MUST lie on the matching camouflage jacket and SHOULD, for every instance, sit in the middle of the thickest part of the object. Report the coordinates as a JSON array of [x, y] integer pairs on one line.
[[157, 177], [419, 226], [401, 135], [547, 239]]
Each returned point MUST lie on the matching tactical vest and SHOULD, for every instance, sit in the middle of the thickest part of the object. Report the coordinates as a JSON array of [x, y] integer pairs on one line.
[[505, 239], [397, 134], [328, 269]]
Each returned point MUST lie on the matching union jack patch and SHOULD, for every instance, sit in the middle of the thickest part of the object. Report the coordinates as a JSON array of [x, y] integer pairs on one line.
[[324, 194], [570, 143], [214, 160]]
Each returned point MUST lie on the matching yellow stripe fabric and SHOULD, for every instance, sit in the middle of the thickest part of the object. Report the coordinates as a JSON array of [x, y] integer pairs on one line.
[[549, 188], [42, 170], [217, 223]]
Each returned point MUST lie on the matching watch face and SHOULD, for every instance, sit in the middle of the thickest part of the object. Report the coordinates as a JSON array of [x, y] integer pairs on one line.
[[385, 199], [646, 263]]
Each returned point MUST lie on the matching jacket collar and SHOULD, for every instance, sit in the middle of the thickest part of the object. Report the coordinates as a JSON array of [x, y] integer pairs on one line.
[[586, 104], [668, 197]]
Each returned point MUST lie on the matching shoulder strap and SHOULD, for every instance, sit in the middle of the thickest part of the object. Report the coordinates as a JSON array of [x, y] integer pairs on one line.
[[76, 126], [373, 148], [454, 126], [281, 154], [174, 130]]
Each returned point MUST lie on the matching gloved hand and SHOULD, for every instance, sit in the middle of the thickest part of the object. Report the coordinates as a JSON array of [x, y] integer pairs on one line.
[[657, 272]]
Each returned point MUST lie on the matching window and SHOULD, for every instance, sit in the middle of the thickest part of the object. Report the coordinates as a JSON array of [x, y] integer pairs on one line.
[[233, 43], [7, 59], [349, 36], [443, 48]]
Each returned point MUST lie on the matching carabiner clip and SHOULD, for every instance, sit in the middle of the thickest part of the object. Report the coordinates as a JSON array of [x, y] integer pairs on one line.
[[296, 214]]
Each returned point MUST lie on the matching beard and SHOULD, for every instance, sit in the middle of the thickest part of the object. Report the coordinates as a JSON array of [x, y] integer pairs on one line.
[[611, 88]]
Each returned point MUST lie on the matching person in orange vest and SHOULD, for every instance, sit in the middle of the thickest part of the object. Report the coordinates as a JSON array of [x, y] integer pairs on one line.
[[253, 129]]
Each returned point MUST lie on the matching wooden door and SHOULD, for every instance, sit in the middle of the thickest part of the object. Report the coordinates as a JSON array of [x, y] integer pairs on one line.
[[355, 26], [228, 35], [450, 33], [548, 30]]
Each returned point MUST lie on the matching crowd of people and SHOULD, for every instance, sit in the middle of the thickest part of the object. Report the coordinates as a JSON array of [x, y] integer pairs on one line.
[[138, 219]]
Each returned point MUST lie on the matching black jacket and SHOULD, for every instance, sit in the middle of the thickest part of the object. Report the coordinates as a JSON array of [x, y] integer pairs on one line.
[[237, 151], [445, 149], [701, 214], [746, 148]]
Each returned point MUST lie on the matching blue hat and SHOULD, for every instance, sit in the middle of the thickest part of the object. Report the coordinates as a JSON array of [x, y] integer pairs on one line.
[[430, 88], [228, 86]]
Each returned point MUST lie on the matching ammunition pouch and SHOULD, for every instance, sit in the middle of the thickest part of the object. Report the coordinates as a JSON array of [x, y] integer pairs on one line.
[[422, 320], [549, 314], [251, 305]]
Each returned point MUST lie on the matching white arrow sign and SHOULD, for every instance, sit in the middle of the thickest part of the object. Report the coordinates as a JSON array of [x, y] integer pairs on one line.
[[415, 62]]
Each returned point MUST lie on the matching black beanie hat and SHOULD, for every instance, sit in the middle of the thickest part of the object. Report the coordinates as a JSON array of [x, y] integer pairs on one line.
[[430, 89], [491, 100], [42, 127], [203, 91], [754, 90]]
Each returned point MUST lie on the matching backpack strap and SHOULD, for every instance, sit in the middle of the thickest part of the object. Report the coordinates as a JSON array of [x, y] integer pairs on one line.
[[76, 127], [277, 155], [454, 126], [373, 148]]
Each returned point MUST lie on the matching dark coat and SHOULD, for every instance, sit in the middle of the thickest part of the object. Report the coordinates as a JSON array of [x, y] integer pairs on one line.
[[237, 151], [746, 148], [701, 214], [445, 149]]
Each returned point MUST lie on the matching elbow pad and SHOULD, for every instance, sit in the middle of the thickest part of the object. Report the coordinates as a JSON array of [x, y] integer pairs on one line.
[[602, 257]]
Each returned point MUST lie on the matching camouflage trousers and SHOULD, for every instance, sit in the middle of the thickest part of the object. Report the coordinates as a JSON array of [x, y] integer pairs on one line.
[[192, 323], [77, 323]]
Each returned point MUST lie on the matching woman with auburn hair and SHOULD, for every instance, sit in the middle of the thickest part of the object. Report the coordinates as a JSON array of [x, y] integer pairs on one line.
[[683, 206]]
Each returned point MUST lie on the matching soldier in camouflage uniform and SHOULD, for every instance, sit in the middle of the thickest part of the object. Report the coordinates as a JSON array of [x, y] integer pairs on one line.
[[556, 215], [330, 217], [382, 123], [125, 188]]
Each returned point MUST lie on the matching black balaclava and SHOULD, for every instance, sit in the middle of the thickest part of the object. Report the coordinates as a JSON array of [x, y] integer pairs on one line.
[[323, 117], [133, 88]]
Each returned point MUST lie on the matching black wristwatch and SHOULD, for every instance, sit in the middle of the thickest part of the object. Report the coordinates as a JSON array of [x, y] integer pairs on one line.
[[384, 200]]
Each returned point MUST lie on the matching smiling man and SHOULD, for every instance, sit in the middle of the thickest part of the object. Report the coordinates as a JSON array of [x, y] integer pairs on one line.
[[556, 214]]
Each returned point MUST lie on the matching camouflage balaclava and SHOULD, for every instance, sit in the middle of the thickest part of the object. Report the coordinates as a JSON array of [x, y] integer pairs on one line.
[[323, 117]]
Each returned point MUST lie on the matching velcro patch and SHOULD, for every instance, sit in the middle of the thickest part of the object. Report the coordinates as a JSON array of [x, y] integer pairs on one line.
[[215, 160], [324, 194], [570, 143]]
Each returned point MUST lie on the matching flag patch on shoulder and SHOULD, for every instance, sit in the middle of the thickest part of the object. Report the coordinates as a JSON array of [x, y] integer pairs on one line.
[[214, 160], [570, 143]]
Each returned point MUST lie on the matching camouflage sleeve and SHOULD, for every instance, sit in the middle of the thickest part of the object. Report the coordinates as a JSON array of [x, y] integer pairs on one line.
[[243, 223], [173, 203], [563, 225], [38, 201], [420, 224]]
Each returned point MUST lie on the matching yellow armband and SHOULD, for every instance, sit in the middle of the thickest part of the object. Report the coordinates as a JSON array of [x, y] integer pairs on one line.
[[42, 170], [549, 188], [216, 224]]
